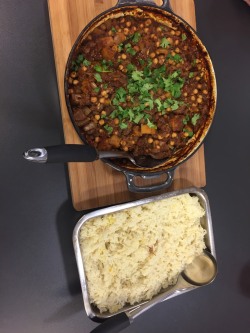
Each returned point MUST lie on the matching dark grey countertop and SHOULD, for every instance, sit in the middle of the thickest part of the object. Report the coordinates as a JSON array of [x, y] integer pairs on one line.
[[39, 284]]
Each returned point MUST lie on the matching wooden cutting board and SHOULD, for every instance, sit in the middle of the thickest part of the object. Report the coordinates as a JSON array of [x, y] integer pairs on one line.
[[96, 184]]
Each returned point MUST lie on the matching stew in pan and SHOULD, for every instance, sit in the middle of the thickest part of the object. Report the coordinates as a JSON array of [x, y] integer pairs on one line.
[[140, 86]]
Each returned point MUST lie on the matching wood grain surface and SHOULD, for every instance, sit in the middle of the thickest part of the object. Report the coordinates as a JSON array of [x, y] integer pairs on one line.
[[96, 184]]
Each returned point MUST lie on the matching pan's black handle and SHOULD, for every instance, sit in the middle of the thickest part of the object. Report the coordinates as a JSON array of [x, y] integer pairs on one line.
[[166, 3], [114, 324], [62, 154]]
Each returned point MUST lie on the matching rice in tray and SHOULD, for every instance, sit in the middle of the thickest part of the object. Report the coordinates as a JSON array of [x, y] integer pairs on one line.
[[130, 255]]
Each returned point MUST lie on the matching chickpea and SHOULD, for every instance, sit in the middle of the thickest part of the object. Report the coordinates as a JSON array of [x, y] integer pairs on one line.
[[70, 80], [173, 53], [124, 56], [199, 86], [159, 137], [177, 42], [119, 30], [157, 44], [155, 61], [172, 143], [177, 50], [148, 22], [141, 25], [170, 40], [97, 117], [101, 130], [122, 20], [93, 99], [199, 100], [136, 48], [185, 94], [73, 74], [97, 139], [186, 134], [174, 135], [152, 55], [159, 29], [125, 148], [102, 100], [104, 93], [193, 98], [123, 143], [121, 67], [197, 78], [150, 140], [205, 92], [101, 122], [172, 32], [185, 47], [152, 36], [146, 30], [128, 24], [104, 113], [116, 121], [126, 31], [168, 109], [75, 82], [195, 91]]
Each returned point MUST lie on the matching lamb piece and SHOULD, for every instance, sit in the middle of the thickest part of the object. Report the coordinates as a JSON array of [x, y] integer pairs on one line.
[[176, 123]]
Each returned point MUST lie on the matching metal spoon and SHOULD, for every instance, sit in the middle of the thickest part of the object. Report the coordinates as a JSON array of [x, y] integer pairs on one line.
[[200, 272], [84, 153]]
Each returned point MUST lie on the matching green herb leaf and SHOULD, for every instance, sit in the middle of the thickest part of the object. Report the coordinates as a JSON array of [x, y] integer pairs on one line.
[[131, 68], [113, 29], [150, 124], [183, 37], [186, 120], [195, 118], [136, 37], [98, 77], [137, 75], [129, 49], [164, 42], [108, 128], [190, 133], [123, 125], [190, 75], [97, 89]]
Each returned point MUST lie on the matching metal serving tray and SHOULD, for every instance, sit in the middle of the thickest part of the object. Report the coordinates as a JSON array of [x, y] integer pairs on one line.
[[206, 222]]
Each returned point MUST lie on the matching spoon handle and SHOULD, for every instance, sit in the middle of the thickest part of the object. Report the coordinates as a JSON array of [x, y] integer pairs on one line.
[[62, 154]]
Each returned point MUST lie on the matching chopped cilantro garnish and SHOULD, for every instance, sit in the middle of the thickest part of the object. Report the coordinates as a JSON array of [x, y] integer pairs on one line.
[[123, 125], [97, 89], [164, 42], [186, 120], [183, 37], [129, 49], [120, 47], [80, 61], [150, 124], [195, 118], [190, 75], [108, 128], [113, 29], [104, 66], [136, 37], [190, 133], [131, 68], [98, 77], [137, 75]]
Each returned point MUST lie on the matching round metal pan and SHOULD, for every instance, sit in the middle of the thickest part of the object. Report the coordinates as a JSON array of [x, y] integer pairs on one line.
[[161, 14]]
